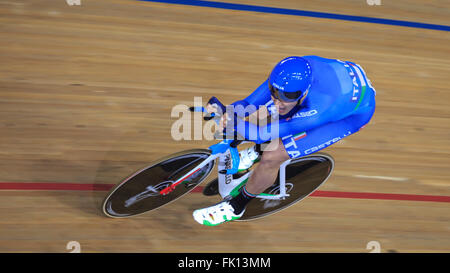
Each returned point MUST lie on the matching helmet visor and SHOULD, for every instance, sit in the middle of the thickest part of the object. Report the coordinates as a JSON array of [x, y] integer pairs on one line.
[[285, 96]]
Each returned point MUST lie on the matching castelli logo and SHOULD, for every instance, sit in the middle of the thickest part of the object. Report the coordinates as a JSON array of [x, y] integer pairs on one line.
[[228, 178]]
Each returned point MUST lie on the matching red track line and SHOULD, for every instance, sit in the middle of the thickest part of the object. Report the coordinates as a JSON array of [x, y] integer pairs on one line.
[[332, 194]]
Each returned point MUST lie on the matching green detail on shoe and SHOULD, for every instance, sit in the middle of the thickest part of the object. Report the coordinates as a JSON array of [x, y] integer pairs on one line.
[[267, 194], [235, 191], [235, 218], [208, 223]]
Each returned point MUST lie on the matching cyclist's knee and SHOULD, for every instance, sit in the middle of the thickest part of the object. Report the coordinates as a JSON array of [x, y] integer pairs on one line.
[[274, 156]]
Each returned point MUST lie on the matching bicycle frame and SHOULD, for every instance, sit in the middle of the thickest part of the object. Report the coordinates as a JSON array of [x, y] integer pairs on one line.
[[228, 187], [228, 155]]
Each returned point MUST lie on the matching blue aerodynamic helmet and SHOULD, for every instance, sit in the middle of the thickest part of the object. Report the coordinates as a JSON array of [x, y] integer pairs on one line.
[[290, 79]]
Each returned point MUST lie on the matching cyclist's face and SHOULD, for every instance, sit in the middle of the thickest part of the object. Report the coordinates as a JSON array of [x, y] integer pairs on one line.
[[283, 106]]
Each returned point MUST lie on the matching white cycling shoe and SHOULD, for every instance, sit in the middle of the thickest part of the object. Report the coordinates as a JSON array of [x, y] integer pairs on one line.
[[248, 157], [217, 214]]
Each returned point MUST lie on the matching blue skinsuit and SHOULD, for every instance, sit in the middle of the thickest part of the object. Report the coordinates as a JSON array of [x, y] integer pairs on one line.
[[340, 101]]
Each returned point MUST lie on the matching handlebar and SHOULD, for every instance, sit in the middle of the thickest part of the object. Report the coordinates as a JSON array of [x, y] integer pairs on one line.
[[227, 143]]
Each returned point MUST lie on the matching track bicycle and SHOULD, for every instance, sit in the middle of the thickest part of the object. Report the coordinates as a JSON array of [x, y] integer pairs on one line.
[[173, 176]]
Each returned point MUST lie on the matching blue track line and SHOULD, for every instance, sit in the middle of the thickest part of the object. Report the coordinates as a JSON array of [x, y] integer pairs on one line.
[[230, 6]]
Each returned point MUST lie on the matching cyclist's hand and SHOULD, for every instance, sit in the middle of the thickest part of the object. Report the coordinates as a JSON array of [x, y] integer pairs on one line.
[[223, 121], [211, 108]]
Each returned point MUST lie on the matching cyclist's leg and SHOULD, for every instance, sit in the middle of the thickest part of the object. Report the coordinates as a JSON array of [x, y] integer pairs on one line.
[[263, 175], [262, 178], [279, 150], [266, 171]]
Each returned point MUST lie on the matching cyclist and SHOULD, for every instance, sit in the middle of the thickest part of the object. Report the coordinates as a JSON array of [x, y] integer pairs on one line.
[[316, 101]]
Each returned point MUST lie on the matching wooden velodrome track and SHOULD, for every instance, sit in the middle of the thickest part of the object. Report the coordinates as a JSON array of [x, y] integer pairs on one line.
[[86, 94]]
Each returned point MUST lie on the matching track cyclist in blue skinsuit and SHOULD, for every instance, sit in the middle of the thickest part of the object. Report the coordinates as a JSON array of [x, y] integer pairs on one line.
[[317, 101]]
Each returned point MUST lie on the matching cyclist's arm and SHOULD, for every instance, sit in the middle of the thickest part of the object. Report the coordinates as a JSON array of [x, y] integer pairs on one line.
[[278, 129], [255, 100]]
